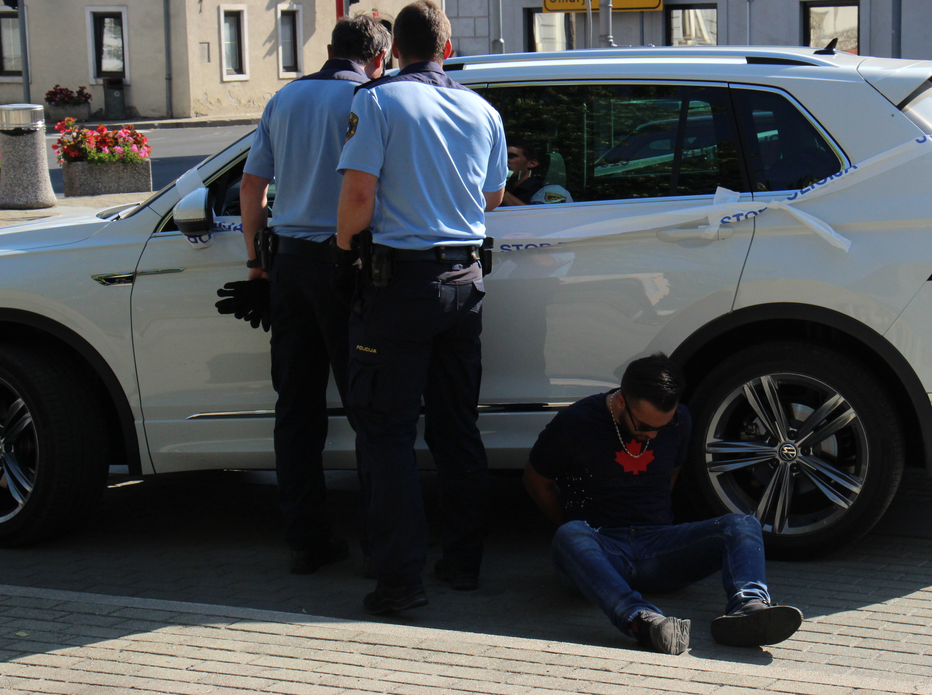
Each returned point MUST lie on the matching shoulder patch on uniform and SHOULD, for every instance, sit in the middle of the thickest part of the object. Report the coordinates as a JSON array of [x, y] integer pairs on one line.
[[554, 198], [351, 128]]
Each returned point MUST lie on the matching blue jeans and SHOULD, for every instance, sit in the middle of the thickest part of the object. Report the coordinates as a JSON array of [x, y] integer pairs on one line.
[[610, 566]]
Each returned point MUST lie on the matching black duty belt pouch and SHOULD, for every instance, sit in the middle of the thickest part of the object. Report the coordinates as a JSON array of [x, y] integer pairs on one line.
[[485, 255], [382, 265], [263, 245]]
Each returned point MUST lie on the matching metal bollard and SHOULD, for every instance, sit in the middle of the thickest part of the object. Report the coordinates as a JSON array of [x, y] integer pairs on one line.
[[24, 176]]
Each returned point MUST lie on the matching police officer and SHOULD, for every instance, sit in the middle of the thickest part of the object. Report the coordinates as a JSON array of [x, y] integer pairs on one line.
[[298, 144], [432, 154]]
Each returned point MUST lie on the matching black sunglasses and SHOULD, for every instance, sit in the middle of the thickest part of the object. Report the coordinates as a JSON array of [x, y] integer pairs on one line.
[[642, 428]]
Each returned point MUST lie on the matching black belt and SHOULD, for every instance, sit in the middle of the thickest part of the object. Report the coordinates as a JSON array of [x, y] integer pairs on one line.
[[307, 248], [438, 254]]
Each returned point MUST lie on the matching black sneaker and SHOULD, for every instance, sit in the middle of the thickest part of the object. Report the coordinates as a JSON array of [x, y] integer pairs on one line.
[[309, 561], [460, 580], [662, 634], [389, 599], [755, 624]]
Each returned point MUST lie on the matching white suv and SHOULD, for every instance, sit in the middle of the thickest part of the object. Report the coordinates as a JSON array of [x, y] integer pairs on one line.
[[801, 317]]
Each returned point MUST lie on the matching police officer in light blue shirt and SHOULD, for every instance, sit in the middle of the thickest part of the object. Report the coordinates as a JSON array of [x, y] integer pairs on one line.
[[432, 154], [298, 144]]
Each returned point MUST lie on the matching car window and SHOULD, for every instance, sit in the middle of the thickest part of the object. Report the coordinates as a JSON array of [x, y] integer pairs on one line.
[[784, 149], [619, 141]]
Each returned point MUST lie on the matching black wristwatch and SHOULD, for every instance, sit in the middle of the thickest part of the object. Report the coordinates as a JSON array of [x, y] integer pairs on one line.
[[254, 263]]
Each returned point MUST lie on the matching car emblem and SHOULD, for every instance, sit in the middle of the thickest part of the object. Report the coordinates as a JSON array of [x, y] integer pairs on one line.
[[788, 452]]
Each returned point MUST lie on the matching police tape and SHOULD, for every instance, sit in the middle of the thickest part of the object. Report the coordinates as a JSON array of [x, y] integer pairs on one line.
[[726, 210]]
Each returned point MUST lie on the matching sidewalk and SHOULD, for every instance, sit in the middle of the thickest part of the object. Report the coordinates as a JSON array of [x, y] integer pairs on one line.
[[161, 123], [179, 586]]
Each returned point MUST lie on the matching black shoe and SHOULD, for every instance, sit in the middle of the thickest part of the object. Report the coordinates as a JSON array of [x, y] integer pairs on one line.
[[309, 561], [662, 634], [389, 599], [756, 623], [460, 580]]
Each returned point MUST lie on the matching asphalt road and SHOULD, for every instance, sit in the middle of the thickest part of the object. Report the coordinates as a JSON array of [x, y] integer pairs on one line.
[[174, 151]]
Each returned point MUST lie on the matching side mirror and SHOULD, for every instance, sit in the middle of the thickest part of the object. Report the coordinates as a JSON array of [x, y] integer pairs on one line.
[[193, 214]]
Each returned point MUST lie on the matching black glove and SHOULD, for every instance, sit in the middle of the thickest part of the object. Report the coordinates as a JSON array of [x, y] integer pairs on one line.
[[345, 267], [247, 300]]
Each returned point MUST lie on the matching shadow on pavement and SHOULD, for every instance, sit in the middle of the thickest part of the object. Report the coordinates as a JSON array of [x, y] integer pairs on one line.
[[214, 538]]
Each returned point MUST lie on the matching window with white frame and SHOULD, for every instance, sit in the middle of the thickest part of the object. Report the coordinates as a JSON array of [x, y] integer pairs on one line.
[[234, 55], [11, 54], [290, 40], [107, 41]]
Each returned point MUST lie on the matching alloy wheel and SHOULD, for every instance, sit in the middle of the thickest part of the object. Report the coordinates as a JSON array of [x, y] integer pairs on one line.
[[19, 452], [789, 449]]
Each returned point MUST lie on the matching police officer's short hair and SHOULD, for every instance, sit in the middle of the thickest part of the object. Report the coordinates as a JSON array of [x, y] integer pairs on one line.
[[359, 39], [655, 379], [422, 31]]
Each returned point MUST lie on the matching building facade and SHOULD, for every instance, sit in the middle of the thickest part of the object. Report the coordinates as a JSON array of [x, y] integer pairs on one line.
[[231, 57], [886, 28], [224, 57]]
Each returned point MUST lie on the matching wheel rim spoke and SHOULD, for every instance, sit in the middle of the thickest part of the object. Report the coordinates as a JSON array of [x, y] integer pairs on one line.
[[738, 464], [841, 420], [814, 467], [723, 447], [768, 410], [19, 482], [776, 500], [17, 419]]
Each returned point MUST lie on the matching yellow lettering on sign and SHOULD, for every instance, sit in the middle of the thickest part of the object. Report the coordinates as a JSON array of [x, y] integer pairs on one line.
[[617, 5]]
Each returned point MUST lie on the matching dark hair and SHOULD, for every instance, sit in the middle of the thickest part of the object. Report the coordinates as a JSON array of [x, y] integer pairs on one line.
[[530, 152], [360, 39], [421, 31], [655, 379]]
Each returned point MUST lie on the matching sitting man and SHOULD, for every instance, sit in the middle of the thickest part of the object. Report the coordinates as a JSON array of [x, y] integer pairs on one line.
[[523, 187], [603, 470]]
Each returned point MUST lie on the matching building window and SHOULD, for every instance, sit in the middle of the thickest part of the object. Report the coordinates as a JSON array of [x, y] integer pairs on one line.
[[692, 25], [549, 31], [290, 41], [108, 43], [11, 55], [824, 21], [234, 40]]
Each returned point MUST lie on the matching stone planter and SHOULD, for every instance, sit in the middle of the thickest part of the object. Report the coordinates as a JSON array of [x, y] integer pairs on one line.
[[55, 114], [83, 178]]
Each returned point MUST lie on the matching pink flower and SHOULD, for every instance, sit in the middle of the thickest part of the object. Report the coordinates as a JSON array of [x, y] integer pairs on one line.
[[135, 148], [118, 149], [106, 150]]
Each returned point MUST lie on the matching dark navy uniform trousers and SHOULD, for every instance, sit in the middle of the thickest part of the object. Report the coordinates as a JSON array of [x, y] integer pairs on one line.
[[419, 338], [309, 335]]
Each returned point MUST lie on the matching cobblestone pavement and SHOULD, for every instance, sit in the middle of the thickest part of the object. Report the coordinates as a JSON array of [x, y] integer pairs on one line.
[[178, 585]]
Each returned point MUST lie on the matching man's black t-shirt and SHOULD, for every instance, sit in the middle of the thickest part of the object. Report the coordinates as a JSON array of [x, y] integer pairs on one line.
[[600, 483]]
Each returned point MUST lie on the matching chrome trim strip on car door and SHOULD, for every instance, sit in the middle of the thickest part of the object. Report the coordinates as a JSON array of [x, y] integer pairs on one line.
[[336, 412]]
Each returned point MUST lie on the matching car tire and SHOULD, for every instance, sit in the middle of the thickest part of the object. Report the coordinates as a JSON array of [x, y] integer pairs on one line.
[[819, 470], [54, 452]]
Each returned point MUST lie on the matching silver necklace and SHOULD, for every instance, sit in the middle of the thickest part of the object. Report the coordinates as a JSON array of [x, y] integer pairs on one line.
[[611, 412]]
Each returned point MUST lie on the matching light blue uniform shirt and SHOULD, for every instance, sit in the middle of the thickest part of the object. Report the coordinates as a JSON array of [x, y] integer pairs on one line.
[[436, 148], [298, 143]]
